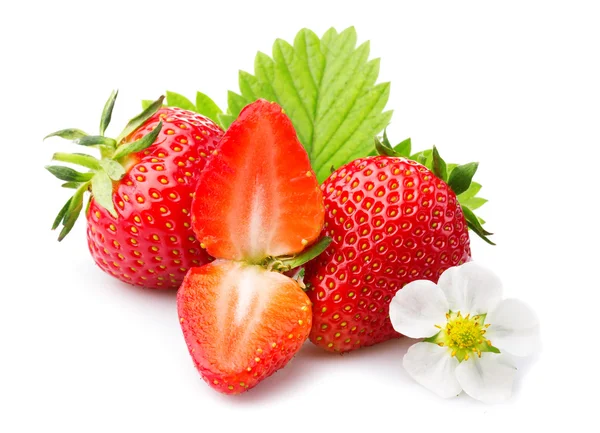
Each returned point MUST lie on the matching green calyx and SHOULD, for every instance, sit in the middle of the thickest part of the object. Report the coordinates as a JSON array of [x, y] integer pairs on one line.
[[464, 336], [287, 263], [458, 177], [100, 172]]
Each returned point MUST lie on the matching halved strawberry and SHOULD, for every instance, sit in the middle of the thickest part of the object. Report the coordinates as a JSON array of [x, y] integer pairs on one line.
[[258, 197], [241, 322], [257, 203]]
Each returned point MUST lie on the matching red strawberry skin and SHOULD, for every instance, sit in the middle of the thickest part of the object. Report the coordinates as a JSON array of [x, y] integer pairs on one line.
[[151, 243], [392, 222], [241, 322]]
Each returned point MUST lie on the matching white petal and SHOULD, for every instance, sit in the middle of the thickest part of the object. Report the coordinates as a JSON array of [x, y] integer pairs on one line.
[[416, 308], [514, 327], [433, 367], [471, 288], [488, 379]]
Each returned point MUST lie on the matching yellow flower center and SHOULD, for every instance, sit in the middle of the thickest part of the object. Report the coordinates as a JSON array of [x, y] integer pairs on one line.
[[464, 336]]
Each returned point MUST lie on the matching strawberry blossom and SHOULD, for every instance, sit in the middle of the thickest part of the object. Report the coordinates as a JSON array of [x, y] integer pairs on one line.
[[467, 330]]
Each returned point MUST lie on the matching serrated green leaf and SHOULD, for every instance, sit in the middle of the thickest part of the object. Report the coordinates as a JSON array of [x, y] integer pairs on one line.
[[403, 148], [207, 107], [113, 169], [139, 120], [68, 174], [439, 165], [139, 145], [461, 177], [68, 134], [107, 112], [180, 101], [327, 88], [102, 189]]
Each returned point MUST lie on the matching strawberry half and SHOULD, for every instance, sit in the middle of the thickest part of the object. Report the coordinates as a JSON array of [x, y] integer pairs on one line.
[[259, 203], [241, 322], [259, 197]]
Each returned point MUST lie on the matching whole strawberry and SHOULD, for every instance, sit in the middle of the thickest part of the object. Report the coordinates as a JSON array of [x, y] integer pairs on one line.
[[141, 193], [392, 221]]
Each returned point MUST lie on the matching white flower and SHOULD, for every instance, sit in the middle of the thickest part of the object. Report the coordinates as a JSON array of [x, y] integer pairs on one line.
[[466, 326]]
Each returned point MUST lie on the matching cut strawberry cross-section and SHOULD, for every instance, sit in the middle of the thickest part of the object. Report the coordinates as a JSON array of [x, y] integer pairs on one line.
[[257, 206], [241, 322], [258, 196]]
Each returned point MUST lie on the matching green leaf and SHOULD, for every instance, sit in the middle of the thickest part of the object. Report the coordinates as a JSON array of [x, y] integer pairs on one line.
[[114, 170], [423, 157], [139, 120], [461, 177], [307, 255], [471, 192], [146, 103], [403, 148], [68, 174], [226, 120], [61, 215], [439, 165], [139, 145], [207, 107], [474, 224], [327, 88], [71, 185], [107, 112], [102, 190], [73, 211], [382, 149], [69, 134], [82, 159], [473, 203], [95, 140], [180, 101]]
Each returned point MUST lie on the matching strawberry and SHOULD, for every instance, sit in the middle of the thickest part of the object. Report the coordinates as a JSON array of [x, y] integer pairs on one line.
[[392, 221], [138, 217], [257, 206]]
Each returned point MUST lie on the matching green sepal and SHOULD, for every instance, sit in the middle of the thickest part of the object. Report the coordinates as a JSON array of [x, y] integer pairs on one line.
[[461, 177], [68, 174], [114, 170], [139, 120], [68, 134], [284, 264], [71, 185], [226, 120], [139, 145], [146, 103], [107, 111], [82, 159], [474, 188], [473, 203], [102, 190], [96, 140], [474, 224], [403, 148], [439, 165], [180, 101], [73, 211], [207, 107], [61, 214], [382, 149]]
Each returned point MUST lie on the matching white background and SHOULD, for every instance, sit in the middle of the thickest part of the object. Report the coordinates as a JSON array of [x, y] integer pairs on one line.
[[514, 85]]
